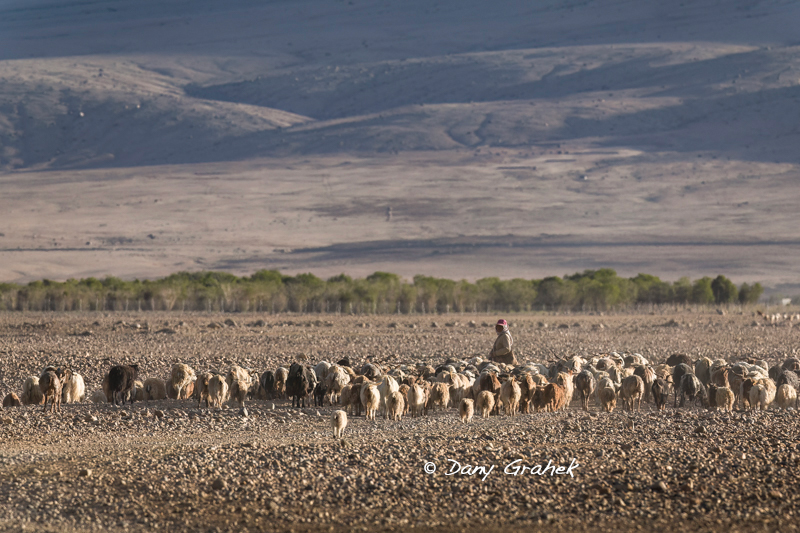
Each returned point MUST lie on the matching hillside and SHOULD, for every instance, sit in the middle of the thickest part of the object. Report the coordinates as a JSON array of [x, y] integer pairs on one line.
[[140, 138]]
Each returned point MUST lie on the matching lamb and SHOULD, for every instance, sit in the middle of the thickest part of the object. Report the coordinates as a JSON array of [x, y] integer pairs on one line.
[[11, 400], [120, 382], [660, 390], [648, 376], [217, 390], [182, 376], [485, 403], [73, 388], [202, 389], [585, 384], [137, 393], [725, 398], [98, 396], [785, 397], [268, 385], [349, 399], [395, 405], [371, 399], [632, 392], [744, 392], [440, 395], [31, 393], [338, 423], [510, 394], [416, 400], [50, 385], [466, 409], [154, 389]]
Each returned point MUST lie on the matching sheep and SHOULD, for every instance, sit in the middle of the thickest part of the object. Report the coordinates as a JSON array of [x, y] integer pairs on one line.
[[632, 392], [371, 398], [300, 383], [202, 388], [98, 396], [585, 384], [137, 393], [660, 390], [321, 370], [73, 388], [349, 399], [154, 389], [182, 376], [386, 387], [267, 385], [677, 359], [281, 375], [788, 377], [416, 400], [766, 394], [50, 385], [335, 380], [466, 410], [648, 377], [217, 390], [528, 388], [725, 398], [719, 376], [510, 394], [440, 395], [237, 374], [744, 392], [239, 392], [404, 391], [338, 423], [678, 372], [690, 386], [11, 400], [395, 405], [31, 393], [607, 396], [485, 403], [565, 380], [120, 382], [554, 397], [785, 397], [702, 369]]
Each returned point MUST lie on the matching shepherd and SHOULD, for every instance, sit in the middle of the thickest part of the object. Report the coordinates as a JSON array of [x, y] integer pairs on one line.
[[501, 351]]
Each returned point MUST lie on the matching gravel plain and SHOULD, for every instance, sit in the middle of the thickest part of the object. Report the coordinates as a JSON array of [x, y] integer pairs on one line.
[[169, 465]]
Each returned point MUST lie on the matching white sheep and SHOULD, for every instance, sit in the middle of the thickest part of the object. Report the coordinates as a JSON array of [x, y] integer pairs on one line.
[[338, 423], [73, 389], [335, 381], [98, 396], [154, 389]]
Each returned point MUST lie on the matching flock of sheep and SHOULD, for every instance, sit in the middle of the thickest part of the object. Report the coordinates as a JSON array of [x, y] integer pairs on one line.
[[486, 386]]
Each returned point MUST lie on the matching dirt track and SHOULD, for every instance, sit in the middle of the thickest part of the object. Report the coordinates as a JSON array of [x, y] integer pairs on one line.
[[155, 465]]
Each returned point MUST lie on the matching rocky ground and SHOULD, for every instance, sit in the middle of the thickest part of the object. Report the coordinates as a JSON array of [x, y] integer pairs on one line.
[[171, 465]]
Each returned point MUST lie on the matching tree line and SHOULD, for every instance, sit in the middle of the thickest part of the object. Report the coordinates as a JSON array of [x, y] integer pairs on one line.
[[379, 293]]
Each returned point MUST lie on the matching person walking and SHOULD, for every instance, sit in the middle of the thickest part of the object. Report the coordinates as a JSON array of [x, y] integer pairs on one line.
[[501, 351]]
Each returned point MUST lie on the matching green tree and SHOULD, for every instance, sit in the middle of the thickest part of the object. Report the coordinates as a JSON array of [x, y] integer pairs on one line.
[[702, 292], [724, 290], [750, 294]]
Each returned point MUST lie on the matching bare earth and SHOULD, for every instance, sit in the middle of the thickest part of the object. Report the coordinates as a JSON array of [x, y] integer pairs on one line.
[[140, 138], [154, 466]]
